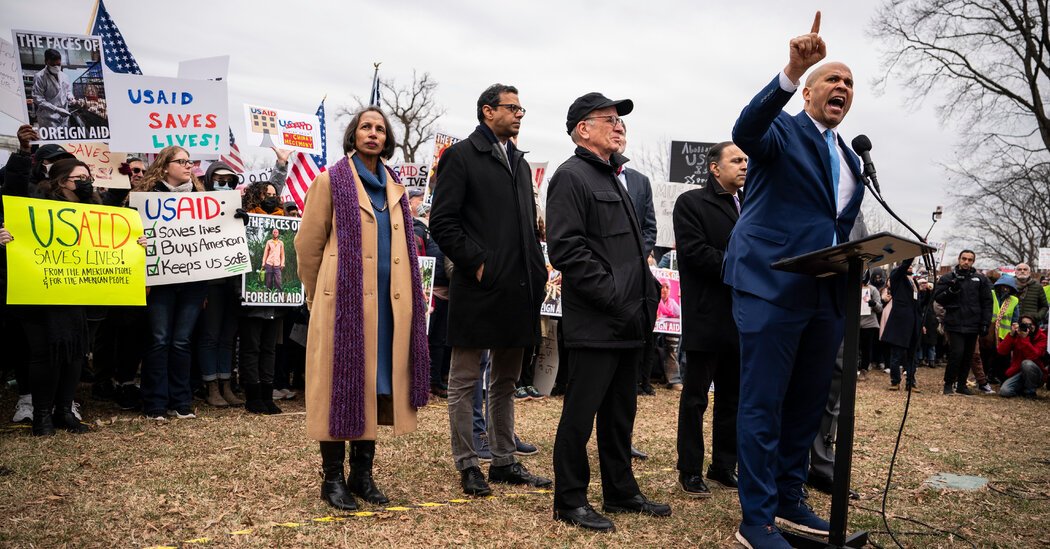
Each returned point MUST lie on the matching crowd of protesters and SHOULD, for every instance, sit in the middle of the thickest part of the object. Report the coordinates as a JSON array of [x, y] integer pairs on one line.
[[196, 338]]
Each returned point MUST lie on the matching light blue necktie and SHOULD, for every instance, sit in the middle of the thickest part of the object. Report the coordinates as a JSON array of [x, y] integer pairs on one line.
[[833, 152]]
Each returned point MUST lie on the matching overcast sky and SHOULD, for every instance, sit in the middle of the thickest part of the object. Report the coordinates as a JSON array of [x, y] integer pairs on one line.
[[689, 66]]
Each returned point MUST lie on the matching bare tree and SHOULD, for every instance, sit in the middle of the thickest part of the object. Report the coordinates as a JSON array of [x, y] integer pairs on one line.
[[990, 61], [652, 159], [413, 110]]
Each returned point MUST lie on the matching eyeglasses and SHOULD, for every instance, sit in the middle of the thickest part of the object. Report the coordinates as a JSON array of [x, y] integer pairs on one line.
[[184, 162], [137, 170], [612, 119], [514, 109]]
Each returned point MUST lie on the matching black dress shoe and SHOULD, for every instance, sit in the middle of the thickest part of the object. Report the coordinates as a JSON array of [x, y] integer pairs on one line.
[[824, 484], [638, 454], [726, 479], [646, 390], [585, 517], [473, 482], [334, 492], [693, 485], [516, 473], [638, 504]]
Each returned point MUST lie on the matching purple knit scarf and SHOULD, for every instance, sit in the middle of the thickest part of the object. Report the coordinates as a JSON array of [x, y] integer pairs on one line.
[[346, 416]]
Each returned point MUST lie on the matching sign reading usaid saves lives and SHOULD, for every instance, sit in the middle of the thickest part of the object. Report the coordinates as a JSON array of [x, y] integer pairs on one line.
[[192, 236], [149, 113]]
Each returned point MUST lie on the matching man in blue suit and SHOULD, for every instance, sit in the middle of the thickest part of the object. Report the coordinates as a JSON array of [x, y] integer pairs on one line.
[[804, 193]]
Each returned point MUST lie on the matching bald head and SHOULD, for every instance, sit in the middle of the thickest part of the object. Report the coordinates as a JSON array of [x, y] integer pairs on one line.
[[828, 93]]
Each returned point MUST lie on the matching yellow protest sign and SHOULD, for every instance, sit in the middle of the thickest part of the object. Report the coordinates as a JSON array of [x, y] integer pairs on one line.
[[64, 253]]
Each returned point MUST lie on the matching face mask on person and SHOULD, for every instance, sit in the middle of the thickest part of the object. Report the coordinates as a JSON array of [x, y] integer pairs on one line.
[[54, 69], [269, 204], [84, 190], [223, 186]]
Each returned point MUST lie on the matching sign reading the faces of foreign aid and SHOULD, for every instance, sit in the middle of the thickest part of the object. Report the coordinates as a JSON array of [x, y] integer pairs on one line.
[[192, 236], [64, 253], [274, 278], [65, 94]]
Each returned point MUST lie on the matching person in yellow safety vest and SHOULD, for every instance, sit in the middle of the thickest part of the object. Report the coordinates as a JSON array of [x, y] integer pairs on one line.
[[1004, 293]]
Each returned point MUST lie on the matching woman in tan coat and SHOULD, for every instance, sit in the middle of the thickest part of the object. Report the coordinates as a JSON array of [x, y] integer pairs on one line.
[[367, 362]]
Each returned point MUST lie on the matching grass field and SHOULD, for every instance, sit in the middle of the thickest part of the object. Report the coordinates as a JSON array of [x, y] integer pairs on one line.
[[252, 481]]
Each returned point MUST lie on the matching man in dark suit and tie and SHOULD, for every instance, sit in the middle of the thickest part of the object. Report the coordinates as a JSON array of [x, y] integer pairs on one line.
[[804, 193], [703, 220]]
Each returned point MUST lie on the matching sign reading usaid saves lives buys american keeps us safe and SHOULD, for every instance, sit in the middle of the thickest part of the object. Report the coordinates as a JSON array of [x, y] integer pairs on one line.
[[192, 236], [270, 127], [64, 253], [149, 113]]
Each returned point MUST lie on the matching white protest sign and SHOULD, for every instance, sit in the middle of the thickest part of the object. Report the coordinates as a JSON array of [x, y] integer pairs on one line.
[[1044, 258], [539, 173], [208, 68], [149, 113], [546, 357], [270, 127], [103, 163], [664, 197], [12, 100], [192, 236], [412, 176]]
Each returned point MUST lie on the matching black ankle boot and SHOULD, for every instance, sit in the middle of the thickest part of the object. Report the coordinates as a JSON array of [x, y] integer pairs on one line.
[[266, 399], [362, 455], [43, 425], [65, 419], [252, 403], [333, 483]]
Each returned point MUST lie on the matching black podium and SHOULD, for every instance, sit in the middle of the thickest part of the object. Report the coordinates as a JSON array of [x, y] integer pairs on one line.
[[849, 258]]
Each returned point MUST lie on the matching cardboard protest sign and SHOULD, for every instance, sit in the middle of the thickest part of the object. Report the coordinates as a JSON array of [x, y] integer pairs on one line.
[[103, 163], [65, 253], [426, 276], [149, 113], [192, 236], [270, 127], [546, 357], [12, 94], [664, 197], [551, 305], [688, 162], [669, 310], [64, 90], [274, 278], [412, 175], [208, 68]]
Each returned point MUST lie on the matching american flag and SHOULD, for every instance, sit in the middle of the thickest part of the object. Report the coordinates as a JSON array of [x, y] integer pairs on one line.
[[305, 167], [119, 59]]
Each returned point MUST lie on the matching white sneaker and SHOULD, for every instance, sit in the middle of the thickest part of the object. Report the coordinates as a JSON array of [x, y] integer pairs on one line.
[[986, 389], [288, 394], [158, 419], [76, 410], [23, 410], [278, 394], [188, 415]]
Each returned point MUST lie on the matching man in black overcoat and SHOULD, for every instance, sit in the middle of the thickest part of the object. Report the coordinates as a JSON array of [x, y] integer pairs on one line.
[[703, 220], [484, 219]]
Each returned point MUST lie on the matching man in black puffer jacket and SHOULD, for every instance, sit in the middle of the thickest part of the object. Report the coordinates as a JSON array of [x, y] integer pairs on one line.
[[967, 299]]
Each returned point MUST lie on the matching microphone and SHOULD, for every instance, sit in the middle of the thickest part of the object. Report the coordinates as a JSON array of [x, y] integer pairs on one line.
[[862, 146]]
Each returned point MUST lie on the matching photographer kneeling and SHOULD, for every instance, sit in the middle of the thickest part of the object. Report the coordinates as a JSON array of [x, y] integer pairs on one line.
[[1025, 345]]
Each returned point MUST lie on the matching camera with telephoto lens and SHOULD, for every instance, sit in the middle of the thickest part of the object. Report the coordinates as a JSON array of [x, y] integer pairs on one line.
[[1024, 328]]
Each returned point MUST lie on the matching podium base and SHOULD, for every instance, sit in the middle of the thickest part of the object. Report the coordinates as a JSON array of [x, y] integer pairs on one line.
[[802, 541]]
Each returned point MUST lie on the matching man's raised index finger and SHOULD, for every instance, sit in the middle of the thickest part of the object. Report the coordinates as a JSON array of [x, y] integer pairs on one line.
[[816, 24]]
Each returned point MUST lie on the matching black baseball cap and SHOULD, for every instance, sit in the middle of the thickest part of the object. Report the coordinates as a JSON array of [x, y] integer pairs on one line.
[[51, 152], [586, 104]]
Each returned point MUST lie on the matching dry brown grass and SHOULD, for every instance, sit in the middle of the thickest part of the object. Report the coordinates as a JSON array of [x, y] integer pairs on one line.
[[132, 483]]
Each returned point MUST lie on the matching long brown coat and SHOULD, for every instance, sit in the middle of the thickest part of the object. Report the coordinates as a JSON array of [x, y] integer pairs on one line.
[[317, 248]]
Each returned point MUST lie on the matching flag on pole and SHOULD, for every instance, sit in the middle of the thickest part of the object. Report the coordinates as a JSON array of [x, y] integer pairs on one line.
[[233, 158], [117, 56], [373, 100], [305, 167]]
